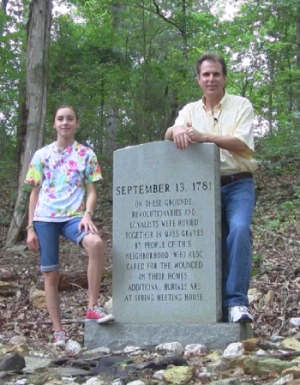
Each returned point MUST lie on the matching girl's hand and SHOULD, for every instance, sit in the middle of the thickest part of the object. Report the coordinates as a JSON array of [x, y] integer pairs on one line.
[[32, 240], [87, 224]]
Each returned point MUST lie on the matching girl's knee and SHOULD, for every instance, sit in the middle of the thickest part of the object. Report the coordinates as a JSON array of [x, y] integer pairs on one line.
[[93, 242]]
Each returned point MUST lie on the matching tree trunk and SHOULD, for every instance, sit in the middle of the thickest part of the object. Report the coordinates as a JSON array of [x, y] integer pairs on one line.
[[271, 88], [4, 5], [184, 31], [297, 115], [38, 36], [3, 8], [110, 129]]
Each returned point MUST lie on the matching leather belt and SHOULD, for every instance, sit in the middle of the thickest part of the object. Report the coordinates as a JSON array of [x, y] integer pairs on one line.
[[225, 179]]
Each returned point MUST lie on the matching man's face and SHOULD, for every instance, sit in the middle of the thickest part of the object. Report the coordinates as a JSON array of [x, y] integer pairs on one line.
[[211, 78]]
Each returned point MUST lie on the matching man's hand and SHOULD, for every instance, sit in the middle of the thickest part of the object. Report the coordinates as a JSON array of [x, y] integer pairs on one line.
[[87, 224], [32, 240], [181, 137], [196, 136]]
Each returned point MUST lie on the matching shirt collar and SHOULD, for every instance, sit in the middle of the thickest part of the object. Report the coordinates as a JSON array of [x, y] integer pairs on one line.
[[68, 149], [218, 106]]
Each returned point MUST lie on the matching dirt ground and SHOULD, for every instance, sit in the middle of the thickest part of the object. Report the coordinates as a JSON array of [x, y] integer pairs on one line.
[[276, 269]]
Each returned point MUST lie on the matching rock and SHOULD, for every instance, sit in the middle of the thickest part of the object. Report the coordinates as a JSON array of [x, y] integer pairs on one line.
[[254, 295], [234, 350], [194, 350], [178, 375], [34, 363], [268, 298], [216, 363], [203, 374], [12, 362], [227, 381], [21, 381], [8, 289], [94, 381], [132, 349], [294, 370], [276, 338], [294, 382], [214, 356], [296, 361], [283, 380], [96, 351], [17, 344], [137, 382], [37, 298], [17, 340], [158, 375], [291, 343], [268, 344], [67, 371], [117, 382], [72, 348], [262, 366], [295, 321], [261, 353], [7, 275], [172, 347], [21, 349], [250, 344]]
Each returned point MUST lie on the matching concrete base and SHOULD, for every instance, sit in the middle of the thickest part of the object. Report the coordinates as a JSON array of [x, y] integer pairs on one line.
[[118, 335]]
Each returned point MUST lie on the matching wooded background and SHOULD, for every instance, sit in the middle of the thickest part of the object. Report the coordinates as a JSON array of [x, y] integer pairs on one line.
[[128, 66]]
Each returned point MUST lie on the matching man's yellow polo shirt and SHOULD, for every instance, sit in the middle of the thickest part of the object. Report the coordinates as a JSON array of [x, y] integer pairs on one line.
[[232, 116]]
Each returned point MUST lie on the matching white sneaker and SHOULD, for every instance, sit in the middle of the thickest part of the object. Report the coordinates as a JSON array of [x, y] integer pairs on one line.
[[239, 314]]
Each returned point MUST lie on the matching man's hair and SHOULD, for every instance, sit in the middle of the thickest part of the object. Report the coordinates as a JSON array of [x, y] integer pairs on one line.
[[211, 57]]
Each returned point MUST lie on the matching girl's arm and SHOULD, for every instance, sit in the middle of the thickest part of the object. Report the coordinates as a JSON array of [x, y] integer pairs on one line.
[[86, 222], [32, 239]]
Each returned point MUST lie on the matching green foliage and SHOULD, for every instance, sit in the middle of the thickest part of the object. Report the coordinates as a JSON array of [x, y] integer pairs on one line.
[[257, 261], [280, 145], [128, 67]]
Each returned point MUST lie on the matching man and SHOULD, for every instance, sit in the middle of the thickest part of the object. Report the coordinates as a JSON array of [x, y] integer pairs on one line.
[[227, 121]]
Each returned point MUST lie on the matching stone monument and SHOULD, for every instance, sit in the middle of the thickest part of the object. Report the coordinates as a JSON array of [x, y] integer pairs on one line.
[[166, 234], [166, 249]]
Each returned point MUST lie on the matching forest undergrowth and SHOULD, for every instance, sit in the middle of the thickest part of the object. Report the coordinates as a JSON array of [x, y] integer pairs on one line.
[[275, 284]]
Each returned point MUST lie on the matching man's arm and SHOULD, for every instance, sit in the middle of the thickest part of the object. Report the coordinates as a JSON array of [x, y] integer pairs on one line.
[[179, 135], [169, 134], [226, 142]]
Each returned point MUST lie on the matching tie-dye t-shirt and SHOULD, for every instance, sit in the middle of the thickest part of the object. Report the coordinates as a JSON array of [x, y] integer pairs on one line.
[[62, 176]]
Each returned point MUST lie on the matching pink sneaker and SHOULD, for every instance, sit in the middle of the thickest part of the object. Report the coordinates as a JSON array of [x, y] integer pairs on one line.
[[59, 338], [98, 314]]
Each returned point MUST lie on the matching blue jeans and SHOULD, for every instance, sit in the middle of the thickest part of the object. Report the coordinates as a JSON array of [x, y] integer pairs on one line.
[[238, 200], [48, 235]]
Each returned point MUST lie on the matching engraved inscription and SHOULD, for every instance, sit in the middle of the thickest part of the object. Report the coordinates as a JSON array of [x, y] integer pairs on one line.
[[162, 241]]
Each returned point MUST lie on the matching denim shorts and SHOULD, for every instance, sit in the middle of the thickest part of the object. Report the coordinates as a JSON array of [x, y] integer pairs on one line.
[[48, 235]]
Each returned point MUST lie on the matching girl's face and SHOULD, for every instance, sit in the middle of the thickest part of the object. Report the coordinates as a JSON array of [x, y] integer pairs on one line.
[[65, 123]]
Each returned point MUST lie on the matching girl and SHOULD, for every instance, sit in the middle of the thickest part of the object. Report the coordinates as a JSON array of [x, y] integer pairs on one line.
[[60, 174]]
